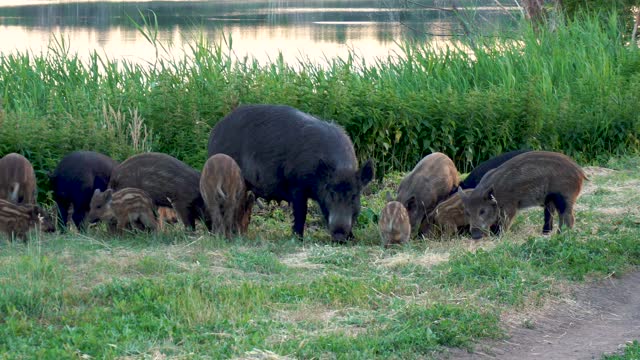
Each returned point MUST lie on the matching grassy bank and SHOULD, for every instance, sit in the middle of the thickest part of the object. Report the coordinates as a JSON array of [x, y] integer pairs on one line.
[[574, 89], [184, 295]]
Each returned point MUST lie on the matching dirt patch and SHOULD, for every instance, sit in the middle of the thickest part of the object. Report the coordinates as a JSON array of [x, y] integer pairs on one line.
[[591, 171], [426, 259], [597, 318], [300, 260], [257, 354]]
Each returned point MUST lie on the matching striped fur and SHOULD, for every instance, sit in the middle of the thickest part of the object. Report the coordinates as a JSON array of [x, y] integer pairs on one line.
[[448, 217], [128, 208], [16, 220], [225, 196], [394, 224]]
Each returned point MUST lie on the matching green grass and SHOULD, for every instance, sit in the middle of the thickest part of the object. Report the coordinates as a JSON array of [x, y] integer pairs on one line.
[[194, 295], [631, 352], [573, 90]]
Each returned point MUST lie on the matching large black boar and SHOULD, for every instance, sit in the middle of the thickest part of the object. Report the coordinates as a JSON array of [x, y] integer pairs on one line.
[[289, 155], [168, 181], [474, 177], [544, 178], [17, 180], [75, 179]]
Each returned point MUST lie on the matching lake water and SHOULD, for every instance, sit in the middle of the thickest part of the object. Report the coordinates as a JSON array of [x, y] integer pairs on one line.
[[313, 29]]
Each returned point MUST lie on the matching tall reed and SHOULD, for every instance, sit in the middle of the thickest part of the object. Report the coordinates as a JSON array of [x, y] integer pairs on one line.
[[574, 89]]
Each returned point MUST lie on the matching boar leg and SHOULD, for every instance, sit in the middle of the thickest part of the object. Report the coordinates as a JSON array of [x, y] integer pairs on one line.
[[567, 218], [299, 205], [63, 211], [79, 212], [148, 221], [186, 215], [549, 209], [216, 218]]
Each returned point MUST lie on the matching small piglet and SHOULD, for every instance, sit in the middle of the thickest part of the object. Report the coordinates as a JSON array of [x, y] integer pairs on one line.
[[394, 223], [225, 195], [169, 182], [536, 178], [166, 214], [127, 207], [431, 181], [17, 180], [448, 216], [17, 220]]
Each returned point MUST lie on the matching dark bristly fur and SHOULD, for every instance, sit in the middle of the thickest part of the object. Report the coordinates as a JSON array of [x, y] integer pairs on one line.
[[127, 207], [474, 177], [225, 195], [425, 186], [536, 178], [75, 179], [168, 181], [16, 220], [288, 155], [17, 179]]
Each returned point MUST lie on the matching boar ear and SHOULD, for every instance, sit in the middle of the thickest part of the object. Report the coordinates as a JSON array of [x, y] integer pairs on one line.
[[489, 195], [462, 194], [107, 195], [366, 173], [96, 192], [251, 198], [388, 196]]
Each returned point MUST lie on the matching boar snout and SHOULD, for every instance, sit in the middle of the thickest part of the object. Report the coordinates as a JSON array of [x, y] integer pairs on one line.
[[476, 234], [340, 223]]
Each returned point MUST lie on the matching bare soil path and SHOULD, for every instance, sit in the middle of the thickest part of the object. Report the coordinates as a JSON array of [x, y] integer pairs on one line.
[[596, 319]]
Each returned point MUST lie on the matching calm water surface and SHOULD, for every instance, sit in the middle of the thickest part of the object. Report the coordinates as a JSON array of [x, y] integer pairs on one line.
[[312, 29]]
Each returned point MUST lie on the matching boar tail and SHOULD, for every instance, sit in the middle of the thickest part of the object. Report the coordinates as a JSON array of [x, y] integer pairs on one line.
[[220, 192], [13, 197]]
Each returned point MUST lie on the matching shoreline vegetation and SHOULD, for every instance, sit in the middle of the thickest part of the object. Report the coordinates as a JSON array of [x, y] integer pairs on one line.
[[572, 90], [267, 295]]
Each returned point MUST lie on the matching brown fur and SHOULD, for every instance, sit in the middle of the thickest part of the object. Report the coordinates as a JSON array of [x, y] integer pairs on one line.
[[166, 214], [431, 181], [127, 207], [17, 179], [448, 217], [225, 195], [17, 220], [536, 178], [394, 224]]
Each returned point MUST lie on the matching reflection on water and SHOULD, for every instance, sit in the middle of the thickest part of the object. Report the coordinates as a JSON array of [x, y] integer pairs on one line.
[[259, 28]]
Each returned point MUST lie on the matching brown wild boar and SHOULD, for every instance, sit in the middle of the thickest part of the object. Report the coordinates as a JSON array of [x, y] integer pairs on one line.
[[225, 195], [448, 216], [17, 179], [536, 178], [128, 208], [394, 223], [431, 181], [17, 219]]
